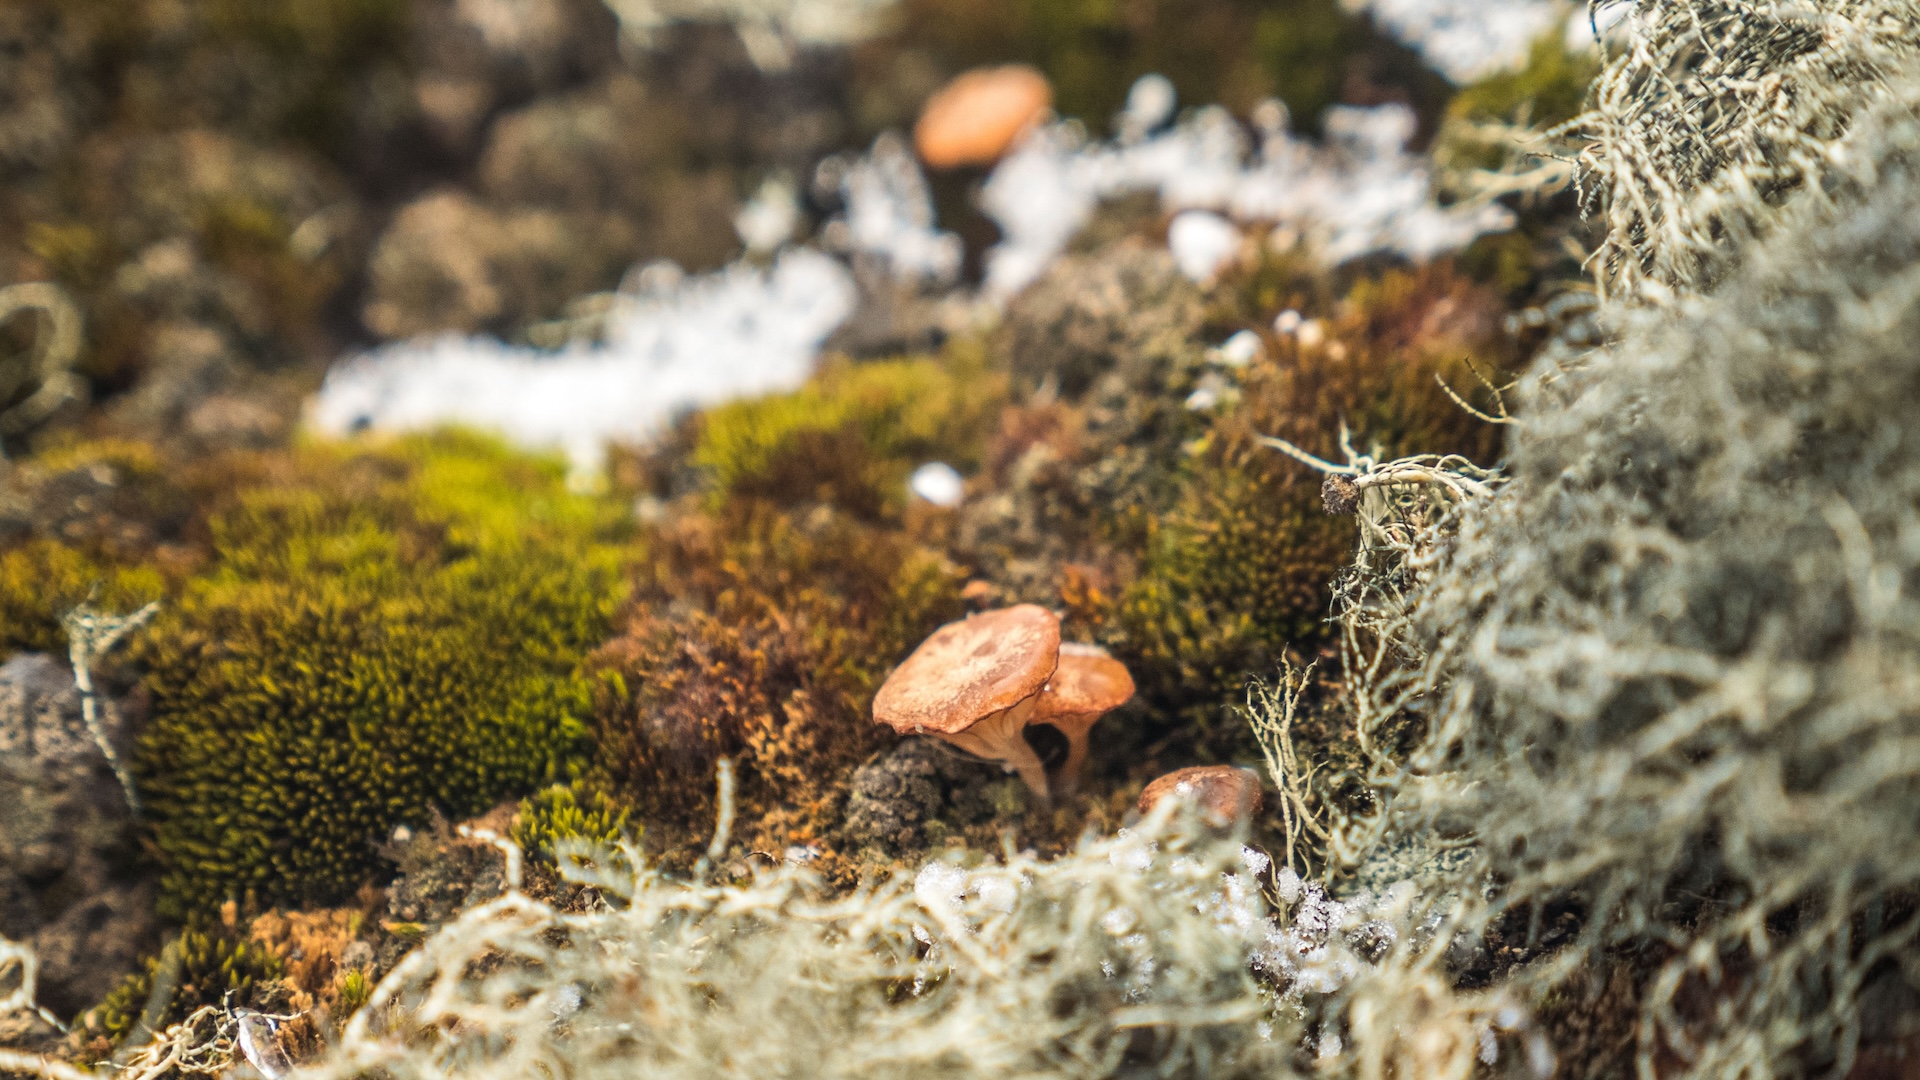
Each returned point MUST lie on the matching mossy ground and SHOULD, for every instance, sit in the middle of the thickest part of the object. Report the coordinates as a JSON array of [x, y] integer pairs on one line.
[[372, 634]]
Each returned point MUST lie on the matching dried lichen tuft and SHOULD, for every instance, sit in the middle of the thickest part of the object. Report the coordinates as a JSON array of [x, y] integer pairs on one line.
[[1766, 87], [1670, 670]]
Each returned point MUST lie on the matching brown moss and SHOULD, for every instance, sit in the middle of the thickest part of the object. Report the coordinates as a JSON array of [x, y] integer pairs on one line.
[[761, 636]]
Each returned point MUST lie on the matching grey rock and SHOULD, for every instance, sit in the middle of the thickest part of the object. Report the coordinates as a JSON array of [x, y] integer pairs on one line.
[[72, 883]]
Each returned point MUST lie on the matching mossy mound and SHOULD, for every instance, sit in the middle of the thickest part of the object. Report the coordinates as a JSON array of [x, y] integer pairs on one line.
[[381, 632]]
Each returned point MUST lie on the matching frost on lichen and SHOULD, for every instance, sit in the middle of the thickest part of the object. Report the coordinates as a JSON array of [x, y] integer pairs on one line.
[[1670, 671]]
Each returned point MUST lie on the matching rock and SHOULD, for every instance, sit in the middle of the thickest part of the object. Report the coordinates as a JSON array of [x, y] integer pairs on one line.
[[443, 873], [920, 792], [73, 885], [452, 263]]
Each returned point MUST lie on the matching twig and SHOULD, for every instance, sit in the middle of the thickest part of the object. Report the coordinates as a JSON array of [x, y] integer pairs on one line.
[[91, 634], [1270, 713], [1499, 399]]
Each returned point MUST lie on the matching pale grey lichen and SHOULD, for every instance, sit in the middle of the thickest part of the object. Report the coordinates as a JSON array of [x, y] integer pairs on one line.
[[1671, 672], [1713, 111]]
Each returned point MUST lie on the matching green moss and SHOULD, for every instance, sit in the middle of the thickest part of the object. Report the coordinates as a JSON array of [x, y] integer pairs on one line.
[[1238, 565], [78, 517], [1233, 576], [852, 435], [1549, 90], [44, 578], [558, 813], [381, 632], [206, 969]]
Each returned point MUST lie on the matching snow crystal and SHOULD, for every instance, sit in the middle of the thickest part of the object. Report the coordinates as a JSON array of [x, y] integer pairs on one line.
[[937, 482], [1238, 351], [770, 218], [1256, 862], [1150, 103], [940, 887], [675, 346], [1202, 243]]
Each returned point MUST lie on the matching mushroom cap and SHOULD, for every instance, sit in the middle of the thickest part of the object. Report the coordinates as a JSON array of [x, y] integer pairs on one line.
[[971, 669], [1225, 793], [1088, 682], [976, 118]]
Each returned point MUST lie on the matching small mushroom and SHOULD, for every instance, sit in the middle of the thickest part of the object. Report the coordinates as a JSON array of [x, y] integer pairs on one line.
[[974, 684], [1226, 794], [979, 116], [1087, 685]]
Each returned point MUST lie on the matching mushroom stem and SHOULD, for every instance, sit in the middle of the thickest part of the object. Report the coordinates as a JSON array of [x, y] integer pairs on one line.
[[999, 738], [1066, 779]]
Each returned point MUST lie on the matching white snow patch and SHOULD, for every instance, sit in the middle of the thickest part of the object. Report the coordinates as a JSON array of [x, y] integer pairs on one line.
[[681, 345], [1357, 193], [889, 214], [1467, 39]]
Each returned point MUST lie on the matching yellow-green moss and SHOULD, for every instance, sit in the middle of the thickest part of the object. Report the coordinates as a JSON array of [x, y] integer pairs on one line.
[[44, 578], [853, 433], [560, 813], [208, 968], [82, 516], [382, 632]]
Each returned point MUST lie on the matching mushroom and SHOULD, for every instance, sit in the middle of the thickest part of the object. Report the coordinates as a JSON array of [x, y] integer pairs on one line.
[[1087, 685], [975, 683], [1226, 794], [979, 116]]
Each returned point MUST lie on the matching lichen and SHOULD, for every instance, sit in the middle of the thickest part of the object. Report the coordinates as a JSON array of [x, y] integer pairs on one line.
[[1666, 674]]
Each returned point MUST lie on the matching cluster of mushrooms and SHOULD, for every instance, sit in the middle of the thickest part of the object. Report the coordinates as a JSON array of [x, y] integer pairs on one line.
[[979, 683]]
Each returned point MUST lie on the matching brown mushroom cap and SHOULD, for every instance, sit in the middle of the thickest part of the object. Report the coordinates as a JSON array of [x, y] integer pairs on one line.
[[971, 669], [976, 118], [1088, 683], [1225, 793]]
